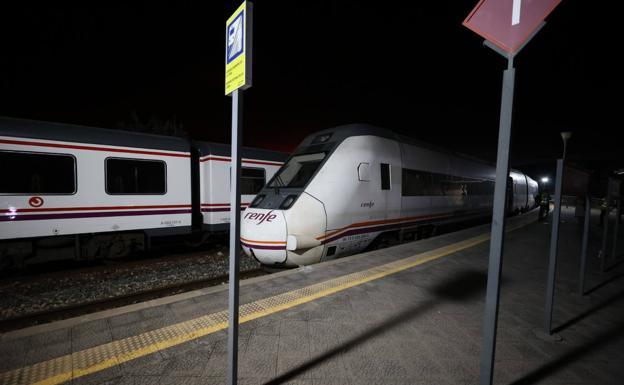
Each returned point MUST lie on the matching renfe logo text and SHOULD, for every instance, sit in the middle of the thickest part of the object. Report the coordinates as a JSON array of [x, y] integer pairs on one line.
[[261, 217]]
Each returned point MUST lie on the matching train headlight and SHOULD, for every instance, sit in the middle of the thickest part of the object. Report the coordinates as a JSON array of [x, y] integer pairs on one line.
[[257, 200], [288, 202]]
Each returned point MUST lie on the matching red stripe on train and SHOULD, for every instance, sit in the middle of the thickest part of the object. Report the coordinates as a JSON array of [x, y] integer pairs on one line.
[[108, 149], [92, 208]]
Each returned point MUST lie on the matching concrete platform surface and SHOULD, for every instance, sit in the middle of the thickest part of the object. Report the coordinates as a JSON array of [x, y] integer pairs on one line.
[[410, 314]]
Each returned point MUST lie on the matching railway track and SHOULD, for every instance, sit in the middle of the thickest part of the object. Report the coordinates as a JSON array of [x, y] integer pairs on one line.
[[122, 283], [75, 310]]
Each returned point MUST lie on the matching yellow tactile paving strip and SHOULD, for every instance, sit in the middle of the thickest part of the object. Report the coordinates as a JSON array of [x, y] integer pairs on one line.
[[81, 363]]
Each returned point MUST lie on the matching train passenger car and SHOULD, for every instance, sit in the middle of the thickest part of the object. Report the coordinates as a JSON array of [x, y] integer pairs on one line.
[[84, 192], [346, 187], [257, 167]]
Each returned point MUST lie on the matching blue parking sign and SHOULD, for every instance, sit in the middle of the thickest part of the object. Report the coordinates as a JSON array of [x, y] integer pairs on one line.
[[238, 48], [236, 37]]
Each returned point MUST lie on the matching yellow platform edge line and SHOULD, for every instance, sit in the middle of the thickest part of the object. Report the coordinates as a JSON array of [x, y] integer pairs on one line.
[[382, 271]]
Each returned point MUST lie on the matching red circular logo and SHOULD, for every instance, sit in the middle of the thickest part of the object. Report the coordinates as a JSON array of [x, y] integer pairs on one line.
[[35, 201]]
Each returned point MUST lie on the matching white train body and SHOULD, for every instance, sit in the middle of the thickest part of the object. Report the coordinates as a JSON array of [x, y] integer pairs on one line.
[[89, 208], [344, 187], [257, 167], [114, 187]]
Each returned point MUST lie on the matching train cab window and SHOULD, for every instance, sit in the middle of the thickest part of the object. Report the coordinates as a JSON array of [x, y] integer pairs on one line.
[[252, 180], [385, 176], [37, 173], [298, 171], [135, 176]]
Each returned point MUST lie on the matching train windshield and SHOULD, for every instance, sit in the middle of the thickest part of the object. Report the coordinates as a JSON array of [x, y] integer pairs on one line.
[[298, 171]]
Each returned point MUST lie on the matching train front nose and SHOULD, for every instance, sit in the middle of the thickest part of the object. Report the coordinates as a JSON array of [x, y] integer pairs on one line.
[[263, 235]]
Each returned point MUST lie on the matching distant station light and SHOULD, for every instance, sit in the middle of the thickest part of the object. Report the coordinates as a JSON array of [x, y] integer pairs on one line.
[[545, 179]]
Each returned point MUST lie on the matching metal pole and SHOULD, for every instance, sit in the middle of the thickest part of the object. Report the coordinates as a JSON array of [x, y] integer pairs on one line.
[[237, 108], [616, 229], [584, 245], [554, 243], [498, 227]]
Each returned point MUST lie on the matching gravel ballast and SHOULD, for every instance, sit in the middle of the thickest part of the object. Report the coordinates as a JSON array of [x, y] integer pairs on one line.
[[21, 297]]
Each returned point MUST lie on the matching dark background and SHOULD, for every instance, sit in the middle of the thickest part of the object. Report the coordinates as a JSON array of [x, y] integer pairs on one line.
[[408, 66]]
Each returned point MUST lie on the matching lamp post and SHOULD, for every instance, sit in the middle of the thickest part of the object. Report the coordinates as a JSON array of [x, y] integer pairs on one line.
[[565, 135], [544, 181], [554, 240]]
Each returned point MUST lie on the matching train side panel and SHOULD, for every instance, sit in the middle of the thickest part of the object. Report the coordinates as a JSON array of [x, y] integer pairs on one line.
[[417, 201], [360, 187], [215, 186], [533, 190], [477, 185], [519, 191], [105, 196]]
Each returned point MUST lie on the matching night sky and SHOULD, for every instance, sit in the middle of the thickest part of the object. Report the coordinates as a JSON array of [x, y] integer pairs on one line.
[[408, 66]]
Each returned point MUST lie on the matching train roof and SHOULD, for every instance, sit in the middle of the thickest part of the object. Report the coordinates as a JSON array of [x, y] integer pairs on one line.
[[340, 133], [220, 149], [33, 129]]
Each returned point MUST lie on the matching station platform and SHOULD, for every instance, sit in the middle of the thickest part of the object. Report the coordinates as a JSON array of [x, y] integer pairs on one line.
[[409, 314]]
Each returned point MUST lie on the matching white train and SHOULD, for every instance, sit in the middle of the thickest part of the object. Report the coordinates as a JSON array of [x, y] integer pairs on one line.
[[98, 192], [346, 187]]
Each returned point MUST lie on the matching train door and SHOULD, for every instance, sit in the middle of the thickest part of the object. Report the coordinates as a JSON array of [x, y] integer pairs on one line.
[[390, 182]]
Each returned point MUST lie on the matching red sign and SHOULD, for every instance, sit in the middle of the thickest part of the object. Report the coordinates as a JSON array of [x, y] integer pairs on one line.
[[508, 23]]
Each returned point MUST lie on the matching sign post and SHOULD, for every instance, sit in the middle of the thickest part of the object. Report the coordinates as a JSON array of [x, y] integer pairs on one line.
[[238, 54], [552, 257], [507, 26]]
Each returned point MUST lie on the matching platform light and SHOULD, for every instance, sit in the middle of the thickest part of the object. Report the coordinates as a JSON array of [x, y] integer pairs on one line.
[[545, 179], [565, 135]]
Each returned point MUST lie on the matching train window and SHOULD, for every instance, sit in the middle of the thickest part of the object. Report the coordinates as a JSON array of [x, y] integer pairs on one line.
[[486, 187], [252, 180], [135, 176], [298, 171], [453, 186], [385, 176], [37, 173], [438, 184], [416, 183], [475, 187]]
